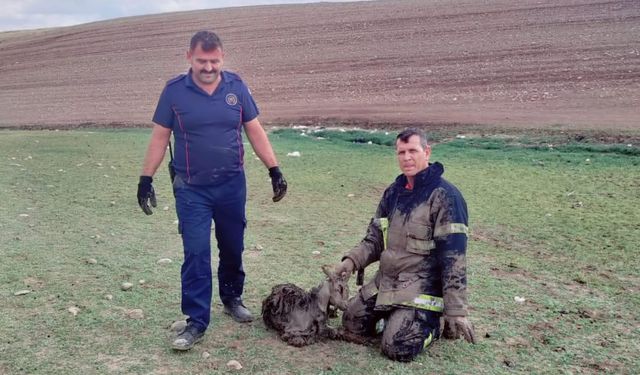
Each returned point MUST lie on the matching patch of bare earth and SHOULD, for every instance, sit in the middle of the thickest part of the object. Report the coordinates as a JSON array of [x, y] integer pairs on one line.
[[608, 367], [537, 64], [117, 363], [34, 283]]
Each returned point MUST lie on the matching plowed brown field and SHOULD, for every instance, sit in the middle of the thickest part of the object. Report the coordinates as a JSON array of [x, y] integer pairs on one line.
[[496, 62]]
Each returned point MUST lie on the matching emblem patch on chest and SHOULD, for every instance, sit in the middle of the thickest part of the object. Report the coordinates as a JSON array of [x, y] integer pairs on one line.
[[231, 99]]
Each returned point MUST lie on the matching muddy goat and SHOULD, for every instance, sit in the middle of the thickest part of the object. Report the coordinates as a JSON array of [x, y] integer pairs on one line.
[[300, 317]]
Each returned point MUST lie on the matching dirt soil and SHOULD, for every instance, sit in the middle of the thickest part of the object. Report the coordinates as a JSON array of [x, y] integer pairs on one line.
[[527, 64]]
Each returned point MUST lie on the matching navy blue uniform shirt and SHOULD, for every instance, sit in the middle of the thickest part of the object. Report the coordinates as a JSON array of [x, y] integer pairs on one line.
[[207, 128]]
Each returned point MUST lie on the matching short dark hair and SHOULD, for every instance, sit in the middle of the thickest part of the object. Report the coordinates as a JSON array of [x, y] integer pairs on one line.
[[208, 41], [410, 132]]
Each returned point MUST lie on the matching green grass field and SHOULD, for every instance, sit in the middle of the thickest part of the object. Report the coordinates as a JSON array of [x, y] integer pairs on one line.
[[556, 225]]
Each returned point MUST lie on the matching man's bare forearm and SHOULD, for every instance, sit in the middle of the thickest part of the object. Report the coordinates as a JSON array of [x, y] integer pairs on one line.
[[260, 143], [155, 151]]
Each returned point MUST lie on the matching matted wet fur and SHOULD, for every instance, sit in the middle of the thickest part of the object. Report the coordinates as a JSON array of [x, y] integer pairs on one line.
[[300, 317]]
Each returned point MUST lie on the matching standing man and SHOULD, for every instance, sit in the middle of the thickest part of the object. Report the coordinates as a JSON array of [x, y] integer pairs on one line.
[[419, 235], [206, 109]]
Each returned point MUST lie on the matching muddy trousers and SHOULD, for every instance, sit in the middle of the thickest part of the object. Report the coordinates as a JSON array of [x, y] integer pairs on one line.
[[406, 332], [196, 207]]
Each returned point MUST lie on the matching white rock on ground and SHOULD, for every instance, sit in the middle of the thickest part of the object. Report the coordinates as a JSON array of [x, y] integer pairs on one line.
[[135, 314], [234, 365], [126, 286], [178, 325], [73, 310]]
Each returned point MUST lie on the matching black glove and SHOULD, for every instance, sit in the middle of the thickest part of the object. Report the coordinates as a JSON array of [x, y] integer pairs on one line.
[[278, 183], [146, 194]]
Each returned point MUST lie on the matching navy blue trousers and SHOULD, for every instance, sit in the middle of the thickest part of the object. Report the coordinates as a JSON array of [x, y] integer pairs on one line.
[[196, 207]]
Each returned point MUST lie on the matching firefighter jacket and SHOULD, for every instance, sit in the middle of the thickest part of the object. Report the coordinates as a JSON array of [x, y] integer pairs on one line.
[[419, 236]]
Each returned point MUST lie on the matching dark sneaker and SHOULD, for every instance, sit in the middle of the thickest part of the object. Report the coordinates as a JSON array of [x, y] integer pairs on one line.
[[238, 311], [187, 338]]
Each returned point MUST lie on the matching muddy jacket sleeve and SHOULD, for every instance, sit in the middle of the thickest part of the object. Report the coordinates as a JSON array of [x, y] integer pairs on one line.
[[450, 235], [372, 245]]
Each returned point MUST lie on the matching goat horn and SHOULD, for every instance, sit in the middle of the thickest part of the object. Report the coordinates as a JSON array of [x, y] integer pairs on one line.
[[327, 270]]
